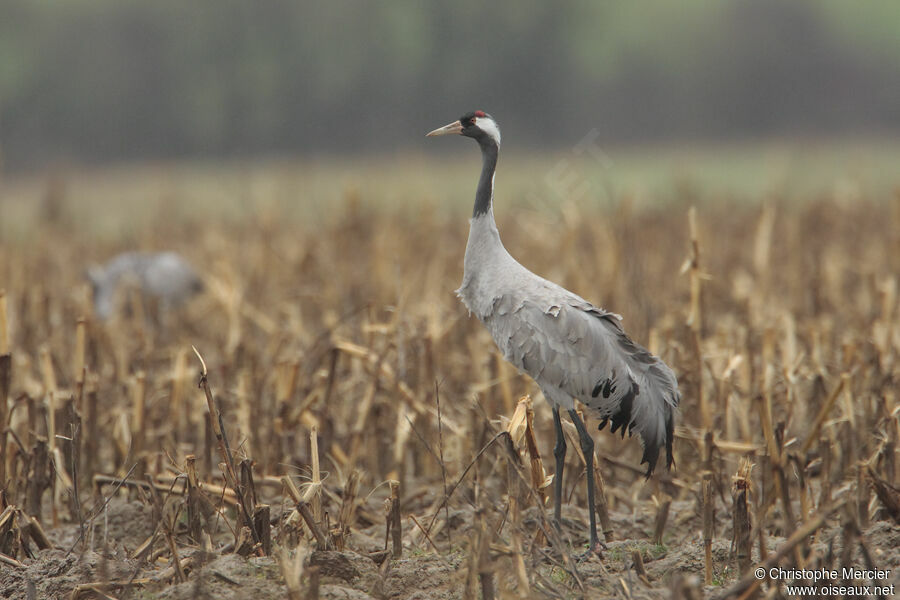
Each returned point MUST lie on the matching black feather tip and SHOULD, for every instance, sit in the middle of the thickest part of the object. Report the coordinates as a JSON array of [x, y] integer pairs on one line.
[[651, 449]]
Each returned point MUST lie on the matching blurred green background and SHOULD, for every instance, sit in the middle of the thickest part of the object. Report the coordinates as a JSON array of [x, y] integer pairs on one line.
[[94, 81]]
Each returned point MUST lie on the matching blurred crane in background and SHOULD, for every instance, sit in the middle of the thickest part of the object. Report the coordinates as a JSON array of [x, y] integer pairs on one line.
[[161, 277]]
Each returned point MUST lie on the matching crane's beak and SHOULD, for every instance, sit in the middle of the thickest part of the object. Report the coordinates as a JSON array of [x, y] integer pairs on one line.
[[454, 127]]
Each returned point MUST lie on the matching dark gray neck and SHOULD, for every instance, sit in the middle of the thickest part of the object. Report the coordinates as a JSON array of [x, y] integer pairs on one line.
[[485, 192]]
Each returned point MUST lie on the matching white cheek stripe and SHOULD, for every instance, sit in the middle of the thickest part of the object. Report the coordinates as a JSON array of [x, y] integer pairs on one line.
[[489, 127]]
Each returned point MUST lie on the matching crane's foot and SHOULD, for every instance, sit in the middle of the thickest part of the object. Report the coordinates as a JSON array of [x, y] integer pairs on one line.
[[595, 549]]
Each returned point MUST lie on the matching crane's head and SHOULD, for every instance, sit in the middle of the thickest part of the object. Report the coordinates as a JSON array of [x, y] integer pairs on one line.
[[478, 125]]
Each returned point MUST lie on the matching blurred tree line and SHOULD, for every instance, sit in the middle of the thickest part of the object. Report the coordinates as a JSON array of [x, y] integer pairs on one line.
[[117, 80]]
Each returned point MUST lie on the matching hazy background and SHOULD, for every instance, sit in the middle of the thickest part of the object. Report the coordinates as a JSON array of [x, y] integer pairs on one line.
[[94, 81]]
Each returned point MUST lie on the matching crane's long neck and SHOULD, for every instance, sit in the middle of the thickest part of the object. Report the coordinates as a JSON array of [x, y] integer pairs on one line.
[[485, 254], [485, 193]]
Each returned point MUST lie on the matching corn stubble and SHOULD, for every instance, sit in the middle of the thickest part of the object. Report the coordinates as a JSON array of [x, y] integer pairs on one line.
[[324, 357]]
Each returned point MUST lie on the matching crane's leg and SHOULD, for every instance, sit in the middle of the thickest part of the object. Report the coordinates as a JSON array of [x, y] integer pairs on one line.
[[559, 451], [587, 447]]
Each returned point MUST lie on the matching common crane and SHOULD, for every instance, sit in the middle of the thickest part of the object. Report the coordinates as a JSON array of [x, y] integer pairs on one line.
[[571, 348], [162, 276]]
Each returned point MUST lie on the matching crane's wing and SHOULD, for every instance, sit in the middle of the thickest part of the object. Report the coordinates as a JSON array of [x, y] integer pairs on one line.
[[572, 348]]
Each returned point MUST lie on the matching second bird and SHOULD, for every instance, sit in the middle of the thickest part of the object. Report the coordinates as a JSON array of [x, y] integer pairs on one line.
[[571, 348], [163, 277]]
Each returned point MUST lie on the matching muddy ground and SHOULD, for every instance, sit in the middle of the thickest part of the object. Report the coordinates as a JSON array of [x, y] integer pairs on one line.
[[364, 570]]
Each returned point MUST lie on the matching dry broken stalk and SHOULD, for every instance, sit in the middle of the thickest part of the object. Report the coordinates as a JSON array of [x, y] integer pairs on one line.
[[515, 496], [538, 476], [262, 524], [801, 474], [303, 509], [169, 523], [743, 540], [823, 413], [479, 571], [313, 493], [36, 532], [602, 507], [348, 505], [51, 390], [312, 592], [165, 484], [138, 422], [80, 348], [92, 591], [169, 572], [10, 561], [90, 420], [524, 584], [662, 516], [443, 465], [424, 534], [402, 429], [40, 477], [485, 564], [708, 498], [395, 521], [638, 561], [248, 484], [245, 546], [215, 419], [765, 417], [365, 407], [826, 451], [695, 316], [783, 490], [292, 567], [178, 408], [194, 519], [292, 490], [862, 496]]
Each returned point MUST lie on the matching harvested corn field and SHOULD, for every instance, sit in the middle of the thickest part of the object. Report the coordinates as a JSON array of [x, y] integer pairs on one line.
[[369, 441]]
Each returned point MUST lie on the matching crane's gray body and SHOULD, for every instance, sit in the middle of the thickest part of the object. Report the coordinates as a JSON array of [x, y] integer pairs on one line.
[[572, 349], [165, 277]]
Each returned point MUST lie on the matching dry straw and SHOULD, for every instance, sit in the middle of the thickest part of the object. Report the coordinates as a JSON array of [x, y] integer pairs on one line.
[[341, 349]]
